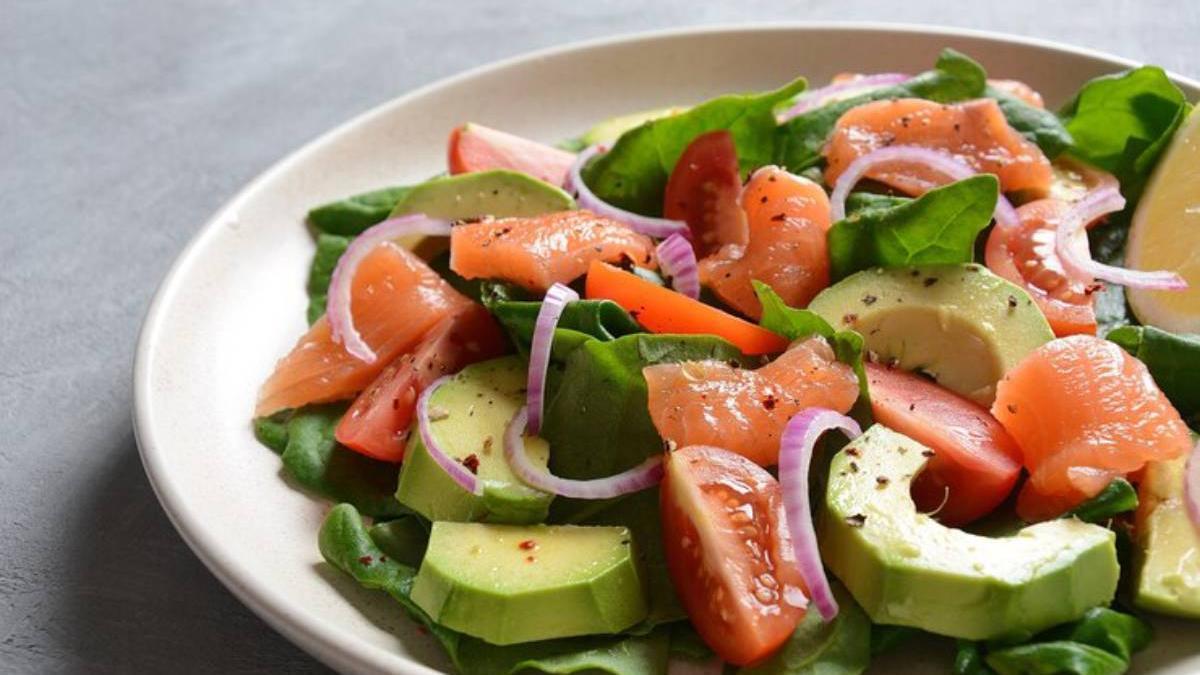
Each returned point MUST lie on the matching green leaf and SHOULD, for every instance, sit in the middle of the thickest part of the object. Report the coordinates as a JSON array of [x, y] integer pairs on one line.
[[315, 460], [597, 384], [840, 647], [1122, 123], [796, 324], [403, 539], [955, 77], [686, 642], [1055, 658], [1116, 498], [1115, 632], [866, 201], [330, 248], [601, 319], [939, 227], [634, 173], [1173, 361], [272, 431], [968, 659], [349, 217], [886, 638], [1037, 124], [346, 544]]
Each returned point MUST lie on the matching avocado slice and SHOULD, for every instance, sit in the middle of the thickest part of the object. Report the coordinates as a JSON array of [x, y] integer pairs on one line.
[[905, 568], [960, 324], [507, 584], [1167, 557], [611, 129], [500, 193], [478, 403]]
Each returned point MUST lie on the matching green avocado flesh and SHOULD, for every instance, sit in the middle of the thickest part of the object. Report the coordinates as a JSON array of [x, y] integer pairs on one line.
[[611, 129], [1167, 561], [507, 584], [960, 324], [907, 569], [468, 416], [499, 193]]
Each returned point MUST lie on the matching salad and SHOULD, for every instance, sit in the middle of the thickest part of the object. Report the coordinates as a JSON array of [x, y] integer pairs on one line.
[[772, 383]]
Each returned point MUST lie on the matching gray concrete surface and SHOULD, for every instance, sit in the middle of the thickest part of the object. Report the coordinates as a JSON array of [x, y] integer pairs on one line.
[[123, 125]]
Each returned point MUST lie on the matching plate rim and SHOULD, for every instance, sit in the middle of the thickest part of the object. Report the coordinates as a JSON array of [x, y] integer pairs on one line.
[[316, 637]]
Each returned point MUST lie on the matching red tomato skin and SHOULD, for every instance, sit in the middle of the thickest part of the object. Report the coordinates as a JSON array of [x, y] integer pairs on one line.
[[736, 575], [474, 147], [377, 423], [976, 458], [704, 191]]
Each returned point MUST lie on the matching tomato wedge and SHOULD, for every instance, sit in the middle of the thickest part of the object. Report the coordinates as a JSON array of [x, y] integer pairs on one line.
[[377, 423], [662, 310], [474, 147], [704, 190], [729, 552], [977, 462]]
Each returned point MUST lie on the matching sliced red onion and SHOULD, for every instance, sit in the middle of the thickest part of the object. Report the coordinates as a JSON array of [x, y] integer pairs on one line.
[[341, 319], [1077, 260], [1191, 487], [840, 91], [458, 473], [645, 475], [944, 163], [677, 259], [659, 228], [795, 455], [539, 350]]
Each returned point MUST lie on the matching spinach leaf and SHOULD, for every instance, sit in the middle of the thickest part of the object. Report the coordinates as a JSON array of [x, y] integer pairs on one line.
[[955, 77], [968, 659], [598, 385], [795, 324], [1173, 361], [1122, 122], [1107, 242], [272, 431], [346, 544], [634, 173], [349, 217], [330, 248], [314, 459], [840, 647], [1115, 632], [939, 227], [1116, 498], [601, 319], [1055, 658], [866, 201], [1037, 124], [686, 642], [403, 539]]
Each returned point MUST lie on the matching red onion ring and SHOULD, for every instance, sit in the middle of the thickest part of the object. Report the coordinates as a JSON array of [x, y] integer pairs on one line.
[[539, 350], [832, 93], [948, 165], [659, 228], [458, 473], [341, 319], [1191, 487], [677, 259], [1077, 260], [645, 475], [795, 456]]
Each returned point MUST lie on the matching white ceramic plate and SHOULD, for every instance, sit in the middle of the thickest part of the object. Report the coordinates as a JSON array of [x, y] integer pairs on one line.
[[234, 301]]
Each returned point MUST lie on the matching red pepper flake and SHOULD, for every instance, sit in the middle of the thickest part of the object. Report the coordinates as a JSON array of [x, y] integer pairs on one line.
[[769, 402], [471, 461], [849, 318], [529, 558], [527, 545], [1011, 408], [366, 560]]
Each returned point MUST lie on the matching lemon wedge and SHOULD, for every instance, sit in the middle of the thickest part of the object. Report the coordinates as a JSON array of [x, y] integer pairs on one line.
[[1165, 234]]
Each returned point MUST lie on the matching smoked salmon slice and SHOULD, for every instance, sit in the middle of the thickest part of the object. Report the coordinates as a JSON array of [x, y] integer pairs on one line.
[[741, 410], [538, 252], [1083, 412], [395, 298], [788, 218], [974, 131]]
